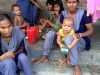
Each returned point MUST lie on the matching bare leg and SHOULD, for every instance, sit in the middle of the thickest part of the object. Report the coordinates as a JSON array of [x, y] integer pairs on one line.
[[77, 70], [34, 60], [43, 59]]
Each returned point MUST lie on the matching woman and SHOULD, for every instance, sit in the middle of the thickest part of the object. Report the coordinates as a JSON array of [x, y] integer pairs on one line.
[[13, 48], [82, 26]]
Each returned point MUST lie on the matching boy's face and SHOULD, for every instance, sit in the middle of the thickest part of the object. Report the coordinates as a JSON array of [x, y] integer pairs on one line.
[[16, 10], [5, 28], [49, 6], [67, 25], [56, 7]]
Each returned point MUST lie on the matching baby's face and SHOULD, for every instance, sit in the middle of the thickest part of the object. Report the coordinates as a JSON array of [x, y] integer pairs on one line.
[[67, 25], [5, 28], [16, 11]]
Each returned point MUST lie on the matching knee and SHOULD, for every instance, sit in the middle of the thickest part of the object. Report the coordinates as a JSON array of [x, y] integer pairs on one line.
[[10, 64], [22, 57], [50, 34]]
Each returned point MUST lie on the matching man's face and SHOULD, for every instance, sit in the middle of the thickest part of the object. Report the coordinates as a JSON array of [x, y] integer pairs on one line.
[[5, 28]]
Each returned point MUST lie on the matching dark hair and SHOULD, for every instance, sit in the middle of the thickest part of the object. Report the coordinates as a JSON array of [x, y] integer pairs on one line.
[[60, 3], [5, 16], [77, 1], [14, 5], [49, 2]]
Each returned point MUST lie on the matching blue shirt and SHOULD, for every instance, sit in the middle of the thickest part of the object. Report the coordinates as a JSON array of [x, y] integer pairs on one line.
[[16, 41], [82, 25]]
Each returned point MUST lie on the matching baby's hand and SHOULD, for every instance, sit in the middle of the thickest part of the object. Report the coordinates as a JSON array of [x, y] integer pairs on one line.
[[62, 45]]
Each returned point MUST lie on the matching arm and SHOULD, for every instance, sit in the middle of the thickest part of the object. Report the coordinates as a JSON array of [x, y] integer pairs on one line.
[[42, 24], [88, 26], [59, 40], [88, 32], [35, 3], [15, 21], [49, 23], [74, 42], [7, 55], [38, 4]]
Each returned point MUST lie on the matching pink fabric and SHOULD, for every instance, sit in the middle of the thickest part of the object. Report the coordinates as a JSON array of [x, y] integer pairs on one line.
[[93, 7]]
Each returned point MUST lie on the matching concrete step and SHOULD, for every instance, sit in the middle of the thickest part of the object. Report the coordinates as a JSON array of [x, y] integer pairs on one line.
[[52, 69], [91, 57]]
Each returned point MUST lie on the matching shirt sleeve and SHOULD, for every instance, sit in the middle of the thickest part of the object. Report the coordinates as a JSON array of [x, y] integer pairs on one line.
[[17, 37], [87, 18]]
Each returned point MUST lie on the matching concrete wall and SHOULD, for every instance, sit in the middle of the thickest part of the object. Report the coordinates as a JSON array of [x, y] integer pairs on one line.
[[5, 4]]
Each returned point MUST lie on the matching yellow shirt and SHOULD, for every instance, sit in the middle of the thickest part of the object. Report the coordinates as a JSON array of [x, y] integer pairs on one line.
[[61, 32]]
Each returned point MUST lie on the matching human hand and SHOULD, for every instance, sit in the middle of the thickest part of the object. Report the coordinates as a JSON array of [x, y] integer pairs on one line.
[[7, 55], [62, 45]]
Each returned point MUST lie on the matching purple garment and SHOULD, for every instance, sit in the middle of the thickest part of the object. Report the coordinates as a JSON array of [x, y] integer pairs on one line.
[[29, 11], [93, 7]]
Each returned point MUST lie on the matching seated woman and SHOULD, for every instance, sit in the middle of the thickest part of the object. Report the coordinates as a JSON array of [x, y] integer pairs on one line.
[[13, 47], [82, 26]]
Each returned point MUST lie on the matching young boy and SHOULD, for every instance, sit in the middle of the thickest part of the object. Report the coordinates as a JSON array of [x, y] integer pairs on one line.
[[68, 40], [54, 21], [18, 18], [13, 48]]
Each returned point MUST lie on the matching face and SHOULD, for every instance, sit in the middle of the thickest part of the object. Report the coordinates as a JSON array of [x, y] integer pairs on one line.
[[16, 11], [56, 7], [67, 25], [49, 6], [5, 28], [72, 5]]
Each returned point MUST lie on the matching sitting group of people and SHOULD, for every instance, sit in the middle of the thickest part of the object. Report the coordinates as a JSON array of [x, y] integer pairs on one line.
[[68, 27]]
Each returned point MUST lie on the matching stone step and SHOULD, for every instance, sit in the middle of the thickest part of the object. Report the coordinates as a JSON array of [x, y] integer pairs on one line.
[[52, 69], [91, 57]]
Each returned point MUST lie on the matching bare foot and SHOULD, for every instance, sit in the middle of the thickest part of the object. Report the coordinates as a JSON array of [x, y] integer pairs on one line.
[[77, 70], [34, 60], [43, 59], [68, 61], [62, 62]]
